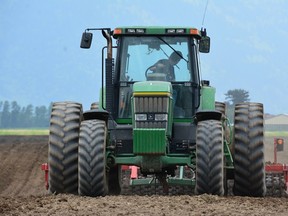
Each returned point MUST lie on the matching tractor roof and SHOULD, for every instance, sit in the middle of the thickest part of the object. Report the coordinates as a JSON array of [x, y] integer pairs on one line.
[[156, 30]]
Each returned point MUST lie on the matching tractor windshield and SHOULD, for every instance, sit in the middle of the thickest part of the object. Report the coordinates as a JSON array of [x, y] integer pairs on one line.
[[144, 58], [172, 59]]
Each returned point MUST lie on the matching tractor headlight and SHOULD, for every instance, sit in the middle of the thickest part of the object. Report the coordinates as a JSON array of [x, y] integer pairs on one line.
[[141, 117], [161, 117]]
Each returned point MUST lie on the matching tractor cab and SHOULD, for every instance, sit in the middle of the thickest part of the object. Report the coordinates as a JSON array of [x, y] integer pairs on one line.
[[154, 55], [158, 58]]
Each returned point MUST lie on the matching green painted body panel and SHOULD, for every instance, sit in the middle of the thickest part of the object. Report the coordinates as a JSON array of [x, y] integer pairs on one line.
[[170, 181], [149, 141], [170, 118], [166, 160], [100, 99], [207, 98], [152, 86], [155, 87], [124, 121], [228, 156], [184, 120]]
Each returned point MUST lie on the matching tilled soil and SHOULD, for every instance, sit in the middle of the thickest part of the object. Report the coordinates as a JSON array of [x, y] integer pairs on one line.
[[142, 205], [22, 191]]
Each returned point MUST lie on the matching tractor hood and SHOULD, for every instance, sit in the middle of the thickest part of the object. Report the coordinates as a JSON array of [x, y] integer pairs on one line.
[[158, 88]]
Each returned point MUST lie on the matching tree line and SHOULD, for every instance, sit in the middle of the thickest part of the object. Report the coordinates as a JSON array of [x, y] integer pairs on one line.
[[12, 115]]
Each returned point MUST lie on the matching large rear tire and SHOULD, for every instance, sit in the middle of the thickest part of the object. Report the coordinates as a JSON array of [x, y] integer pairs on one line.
[[93, 179], [63, 147], [209, 158], [249, 173]]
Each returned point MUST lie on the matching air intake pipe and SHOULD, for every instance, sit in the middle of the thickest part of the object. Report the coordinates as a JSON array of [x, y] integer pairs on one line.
[[109, 73]]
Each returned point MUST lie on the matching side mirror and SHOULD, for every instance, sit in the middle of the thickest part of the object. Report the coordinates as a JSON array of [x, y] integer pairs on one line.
[[86, 40], [204, 44]]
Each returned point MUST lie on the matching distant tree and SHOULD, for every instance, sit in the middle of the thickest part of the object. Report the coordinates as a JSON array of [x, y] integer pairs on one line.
[[15, 114], [22, 118], [41, 114], [232, 98], [237, 96], [27, 116], [5, 117], [1, 105]]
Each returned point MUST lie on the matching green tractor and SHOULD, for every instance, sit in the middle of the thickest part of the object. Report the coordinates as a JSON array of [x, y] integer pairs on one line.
[[156, 117]]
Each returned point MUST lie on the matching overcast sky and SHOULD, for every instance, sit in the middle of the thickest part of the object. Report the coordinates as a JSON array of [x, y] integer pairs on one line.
[[41, 62]]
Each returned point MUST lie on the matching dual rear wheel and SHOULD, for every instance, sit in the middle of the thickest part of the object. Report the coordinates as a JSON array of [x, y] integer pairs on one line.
[[248, 154], [77, 153]]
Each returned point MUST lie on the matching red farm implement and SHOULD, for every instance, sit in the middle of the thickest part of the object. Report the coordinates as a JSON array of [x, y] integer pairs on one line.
[[277, 173]]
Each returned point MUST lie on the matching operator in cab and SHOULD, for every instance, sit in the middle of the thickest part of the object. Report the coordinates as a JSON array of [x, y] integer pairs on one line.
[[166, 66]]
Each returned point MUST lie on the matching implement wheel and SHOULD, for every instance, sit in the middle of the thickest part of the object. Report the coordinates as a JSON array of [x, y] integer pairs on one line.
[[249, 174], [63, 147], [93, 179], [209, 158]]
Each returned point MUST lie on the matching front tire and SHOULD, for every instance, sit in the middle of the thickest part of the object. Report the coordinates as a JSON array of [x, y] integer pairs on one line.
[[93, 179], [249, 174], [209, 158]]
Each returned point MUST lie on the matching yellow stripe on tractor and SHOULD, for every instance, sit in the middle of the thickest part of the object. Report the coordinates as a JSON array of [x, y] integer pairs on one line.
[[159, 94]]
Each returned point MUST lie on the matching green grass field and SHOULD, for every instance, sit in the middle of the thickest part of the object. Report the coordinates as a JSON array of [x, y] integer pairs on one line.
[[276, 133], [35, 132], [23, 132]]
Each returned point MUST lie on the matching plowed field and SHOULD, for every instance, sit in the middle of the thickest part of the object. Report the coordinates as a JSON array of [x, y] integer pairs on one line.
[[22, 191]]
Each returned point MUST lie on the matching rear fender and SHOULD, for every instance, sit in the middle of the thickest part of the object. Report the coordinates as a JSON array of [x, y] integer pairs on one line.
[[96, 114]]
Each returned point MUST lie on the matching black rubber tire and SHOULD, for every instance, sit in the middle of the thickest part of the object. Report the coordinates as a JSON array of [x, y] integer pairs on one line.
[[63, 147], [220, 107], [94, 105], [93, 180], [249, 163], [209, 158], [114, 180]]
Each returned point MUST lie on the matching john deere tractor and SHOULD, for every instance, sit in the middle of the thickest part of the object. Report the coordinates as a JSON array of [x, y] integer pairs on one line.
[[157, 118]]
